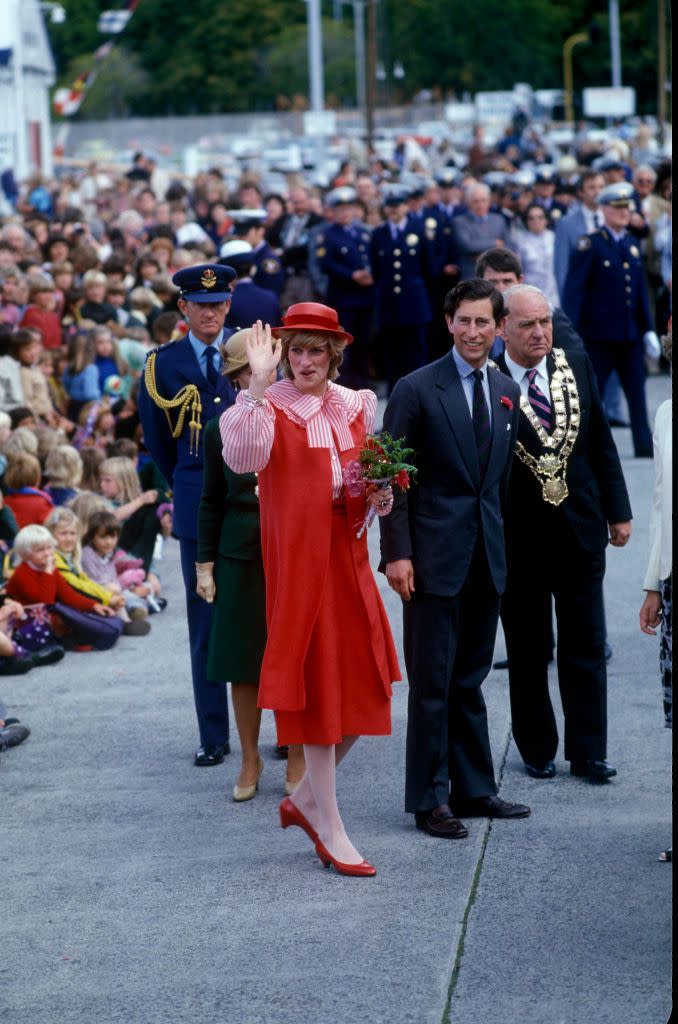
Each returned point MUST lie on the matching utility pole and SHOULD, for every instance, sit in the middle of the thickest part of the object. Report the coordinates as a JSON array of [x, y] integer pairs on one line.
[[371, 65], [615, 44], [315, 70], [661, 68], [359, 41]]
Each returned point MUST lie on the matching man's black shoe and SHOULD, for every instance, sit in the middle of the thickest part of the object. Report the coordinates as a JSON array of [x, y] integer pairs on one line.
[[491, 807], [594, 771], [207, 757], [501, 664], [541, 771], [441, 823]]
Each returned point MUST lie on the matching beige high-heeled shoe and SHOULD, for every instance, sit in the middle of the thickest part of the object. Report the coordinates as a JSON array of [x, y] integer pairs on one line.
[[243, 793]]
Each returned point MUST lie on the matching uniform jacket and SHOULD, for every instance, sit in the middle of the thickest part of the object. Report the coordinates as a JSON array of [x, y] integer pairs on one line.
[[343, 251], [251, 303], [400, 268], [437, 522], [176, 366], [228, 515], [597, 491], [269, 273], [605, 294]]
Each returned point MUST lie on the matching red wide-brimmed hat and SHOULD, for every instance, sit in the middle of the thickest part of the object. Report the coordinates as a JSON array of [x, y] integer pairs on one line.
[[312, 316]]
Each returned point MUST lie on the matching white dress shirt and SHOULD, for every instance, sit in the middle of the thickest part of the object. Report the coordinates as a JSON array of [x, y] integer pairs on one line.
[[521, 374]]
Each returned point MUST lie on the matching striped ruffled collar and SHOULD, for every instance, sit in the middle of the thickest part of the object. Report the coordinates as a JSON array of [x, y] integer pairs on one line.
[[322, 416]]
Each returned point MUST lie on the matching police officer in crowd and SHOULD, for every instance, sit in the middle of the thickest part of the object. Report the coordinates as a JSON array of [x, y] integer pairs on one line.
[[606, 298], [344, 256], [545, 181], [401, 259], [249, 302], [181, 389], [248, 226]]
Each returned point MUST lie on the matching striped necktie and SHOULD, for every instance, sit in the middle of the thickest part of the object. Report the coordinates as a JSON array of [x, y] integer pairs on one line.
[[481, 422], [539, 402]]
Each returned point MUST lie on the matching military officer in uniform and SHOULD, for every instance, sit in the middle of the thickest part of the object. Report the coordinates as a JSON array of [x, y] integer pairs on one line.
[[181, 389], [545, 182], [437, 227], [249, 302], [401, 259], [605, 297], [344, 257], [248, 226]]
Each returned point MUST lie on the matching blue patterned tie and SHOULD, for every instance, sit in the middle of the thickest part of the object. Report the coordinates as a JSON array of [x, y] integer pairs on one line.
[[210, 368], [539, 402], [481, 422]]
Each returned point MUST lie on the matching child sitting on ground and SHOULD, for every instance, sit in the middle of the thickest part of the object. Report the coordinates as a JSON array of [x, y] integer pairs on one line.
[[65, 528], [106, 563], [83, 623], [23, 495], [141, 515], [63, 469]]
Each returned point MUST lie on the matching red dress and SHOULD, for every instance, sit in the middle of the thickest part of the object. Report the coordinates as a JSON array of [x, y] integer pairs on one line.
[[330, 658]]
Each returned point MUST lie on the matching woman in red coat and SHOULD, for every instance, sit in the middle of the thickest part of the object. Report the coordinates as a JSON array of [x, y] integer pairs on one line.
[[330, 659]]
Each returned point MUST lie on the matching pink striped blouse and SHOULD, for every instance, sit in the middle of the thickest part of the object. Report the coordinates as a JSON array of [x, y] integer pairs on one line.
[[248, 429]]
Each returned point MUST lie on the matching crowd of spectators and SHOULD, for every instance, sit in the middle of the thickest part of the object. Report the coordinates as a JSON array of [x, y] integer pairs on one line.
[[86, 265]]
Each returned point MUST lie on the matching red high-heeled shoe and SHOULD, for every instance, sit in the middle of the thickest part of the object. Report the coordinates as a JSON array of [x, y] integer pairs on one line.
[[291, 815], [362, 870]]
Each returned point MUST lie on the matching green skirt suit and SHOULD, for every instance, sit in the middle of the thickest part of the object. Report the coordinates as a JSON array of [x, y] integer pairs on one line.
[[229, 536]]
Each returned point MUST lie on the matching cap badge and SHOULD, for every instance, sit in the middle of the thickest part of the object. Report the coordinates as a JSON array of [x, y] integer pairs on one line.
[[208, 278]]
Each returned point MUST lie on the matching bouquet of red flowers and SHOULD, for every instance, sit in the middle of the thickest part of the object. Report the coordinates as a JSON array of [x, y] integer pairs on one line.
[[383, 461]]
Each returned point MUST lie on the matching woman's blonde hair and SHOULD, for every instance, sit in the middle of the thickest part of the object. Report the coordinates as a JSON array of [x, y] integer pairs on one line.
[[22, 439], [63, 466], [307, 339], [64, 516], [85, 504], [23, 470], [30, 537], [122, 470]]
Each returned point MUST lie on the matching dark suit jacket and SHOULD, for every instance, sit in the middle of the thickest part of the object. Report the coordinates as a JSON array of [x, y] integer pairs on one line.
[[437, 522], [597, 491]]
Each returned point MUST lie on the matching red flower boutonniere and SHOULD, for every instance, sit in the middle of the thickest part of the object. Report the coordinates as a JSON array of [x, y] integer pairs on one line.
[[506, 401]]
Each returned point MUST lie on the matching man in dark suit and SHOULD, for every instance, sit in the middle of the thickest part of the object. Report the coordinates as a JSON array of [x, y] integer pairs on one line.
[[566, 492], [181, 389], [443, 553]]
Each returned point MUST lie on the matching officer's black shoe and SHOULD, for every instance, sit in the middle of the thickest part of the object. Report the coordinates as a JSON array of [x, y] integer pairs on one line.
[[207, 757], [541, 771], [594, 771]]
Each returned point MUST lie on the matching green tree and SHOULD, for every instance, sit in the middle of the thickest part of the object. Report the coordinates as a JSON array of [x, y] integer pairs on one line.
[[284, 64]]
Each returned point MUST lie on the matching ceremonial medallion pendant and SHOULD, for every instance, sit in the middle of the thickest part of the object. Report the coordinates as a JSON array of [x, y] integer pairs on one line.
[[554, 490]]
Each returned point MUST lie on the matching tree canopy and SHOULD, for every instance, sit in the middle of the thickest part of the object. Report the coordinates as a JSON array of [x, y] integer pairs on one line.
[[206, 57]]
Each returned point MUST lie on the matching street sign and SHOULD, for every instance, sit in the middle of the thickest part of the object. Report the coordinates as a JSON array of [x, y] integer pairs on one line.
[[610, 101], [320, 122]]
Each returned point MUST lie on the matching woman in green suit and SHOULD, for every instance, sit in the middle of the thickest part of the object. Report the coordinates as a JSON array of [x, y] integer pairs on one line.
[[230, 573]]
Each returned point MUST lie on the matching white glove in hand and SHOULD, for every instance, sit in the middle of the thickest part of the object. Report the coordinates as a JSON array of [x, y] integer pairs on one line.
[[652, 347], [206, 588]]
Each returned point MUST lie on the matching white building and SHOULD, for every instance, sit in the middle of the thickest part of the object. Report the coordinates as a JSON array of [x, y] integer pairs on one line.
[[26, 74]]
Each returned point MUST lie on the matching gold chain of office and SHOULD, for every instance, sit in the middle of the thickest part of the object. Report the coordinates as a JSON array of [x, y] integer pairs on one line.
[[550, 468], [187, 398]]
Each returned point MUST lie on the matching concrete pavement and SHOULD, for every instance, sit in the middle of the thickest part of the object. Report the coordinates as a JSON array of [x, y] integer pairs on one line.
[[136, 891]]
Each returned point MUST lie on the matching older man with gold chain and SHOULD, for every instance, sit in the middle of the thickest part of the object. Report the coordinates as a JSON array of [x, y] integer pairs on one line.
[[567, 499]]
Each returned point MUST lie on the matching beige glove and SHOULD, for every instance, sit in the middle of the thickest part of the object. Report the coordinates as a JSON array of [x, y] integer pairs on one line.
[[205, 588]]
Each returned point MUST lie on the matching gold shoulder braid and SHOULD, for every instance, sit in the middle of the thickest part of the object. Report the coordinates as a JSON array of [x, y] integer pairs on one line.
[[189, 395], [550, 468]]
